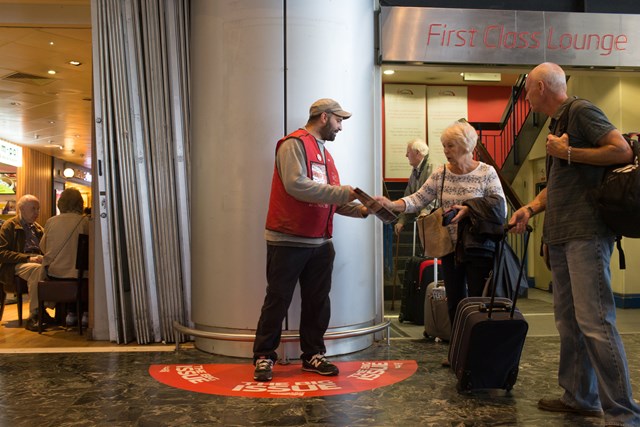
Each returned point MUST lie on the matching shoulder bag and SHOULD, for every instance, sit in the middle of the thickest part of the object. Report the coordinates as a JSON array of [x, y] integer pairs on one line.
[[433, 235]]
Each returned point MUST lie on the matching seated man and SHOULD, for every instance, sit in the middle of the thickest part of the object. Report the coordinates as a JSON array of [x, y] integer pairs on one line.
[[20, 253]]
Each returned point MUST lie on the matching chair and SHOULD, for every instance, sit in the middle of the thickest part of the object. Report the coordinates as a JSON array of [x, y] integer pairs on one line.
[[18, 287], [67, 290]]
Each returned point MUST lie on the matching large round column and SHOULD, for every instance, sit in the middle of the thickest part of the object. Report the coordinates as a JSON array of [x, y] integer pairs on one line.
[[244, 100]]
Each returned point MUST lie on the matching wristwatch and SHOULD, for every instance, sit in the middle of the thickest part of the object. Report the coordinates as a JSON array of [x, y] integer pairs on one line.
[[530, 209]]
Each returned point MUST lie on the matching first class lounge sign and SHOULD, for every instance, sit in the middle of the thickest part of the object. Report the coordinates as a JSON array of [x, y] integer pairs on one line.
[[433, 35]]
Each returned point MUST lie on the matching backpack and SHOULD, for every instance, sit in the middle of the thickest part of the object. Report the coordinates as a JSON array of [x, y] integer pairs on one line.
[[617, 198]]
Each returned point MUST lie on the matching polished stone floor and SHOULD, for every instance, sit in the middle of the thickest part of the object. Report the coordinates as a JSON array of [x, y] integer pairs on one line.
[[114, 388]]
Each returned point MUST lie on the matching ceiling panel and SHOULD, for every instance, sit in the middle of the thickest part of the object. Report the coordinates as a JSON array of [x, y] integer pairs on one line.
[[37, 36]]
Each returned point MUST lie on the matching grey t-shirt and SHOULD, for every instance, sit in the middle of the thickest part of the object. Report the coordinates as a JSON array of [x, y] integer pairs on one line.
[[570, 214]]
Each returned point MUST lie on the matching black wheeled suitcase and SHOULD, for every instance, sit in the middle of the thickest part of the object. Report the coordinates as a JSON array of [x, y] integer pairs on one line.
[[487, 339], [412, 300]]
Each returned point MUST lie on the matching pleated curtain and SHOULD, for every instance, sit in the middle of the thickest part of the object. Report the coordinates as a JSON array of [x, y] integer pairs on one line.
[[141, 93]]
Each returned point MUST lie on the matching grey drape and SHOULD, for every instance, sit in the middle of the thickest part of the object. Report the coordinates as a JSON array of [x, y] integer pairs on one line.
[[141, 93]]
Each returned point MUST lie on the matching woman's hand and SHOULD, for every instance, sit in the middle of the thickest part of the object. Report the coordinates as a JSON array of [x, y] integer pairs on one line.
[[397, 206], [384, 202], [463, 211]]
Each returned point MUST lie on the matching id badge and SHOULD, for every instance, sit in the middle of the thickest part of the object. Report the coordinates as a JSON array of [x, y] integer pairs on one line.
[[319, 173]]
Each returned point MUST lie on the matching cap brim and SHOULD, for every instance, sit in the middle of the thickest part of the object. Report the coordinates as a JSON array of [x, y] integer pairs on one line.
[[341, 113]]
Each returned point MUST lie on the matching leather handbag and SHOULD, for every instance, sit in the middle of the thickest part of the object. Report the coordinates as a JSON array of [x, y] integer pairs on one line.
[[433, 235]]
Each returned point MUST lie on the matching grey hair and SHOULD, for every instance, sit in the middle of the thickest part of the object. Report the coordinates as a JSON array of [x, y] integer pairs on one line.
[[24, 200], [419, 145]]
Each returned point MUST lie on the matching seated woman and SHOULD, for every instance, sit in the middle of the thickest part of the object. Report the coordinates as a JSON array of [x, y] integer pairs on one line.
[[60, 241]]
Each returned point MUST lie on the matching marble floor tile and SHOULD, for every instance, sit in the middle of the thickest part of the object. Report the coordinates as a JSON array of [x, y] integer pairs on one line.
[[115, 389]]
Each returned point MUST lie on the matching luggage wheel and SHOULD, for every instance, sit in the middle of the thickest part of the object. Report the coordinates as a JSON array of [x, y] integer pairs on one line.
[[463, 385]]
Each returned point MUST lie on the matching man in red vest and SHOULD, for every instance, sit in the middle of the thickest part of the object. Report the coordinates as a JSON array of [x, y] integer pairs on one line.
[[305, 193]]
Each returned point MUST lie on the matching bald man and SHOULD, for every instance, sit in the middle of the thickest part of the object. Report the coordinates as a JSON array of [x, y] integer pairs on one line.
[[593, 367]]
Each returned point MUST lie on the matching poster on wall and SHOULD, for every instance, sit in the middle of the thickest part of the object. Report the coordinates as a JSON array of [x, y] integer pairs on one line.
[[7, 183], [405, 118], [445, 104]]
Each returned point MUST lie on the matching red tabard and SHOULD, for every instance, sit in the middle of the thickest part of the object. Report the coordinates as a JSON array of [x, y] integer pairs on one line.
[[292, 216]]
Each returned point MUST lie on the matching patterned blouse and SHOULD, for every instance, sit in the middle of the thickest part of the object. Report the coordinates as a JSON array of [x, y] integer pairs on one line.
[[480, 182]]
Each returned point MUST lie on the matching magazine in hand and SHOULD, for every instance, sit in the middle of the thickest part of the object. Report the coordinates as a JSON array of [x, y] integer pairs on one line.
[[375, 207]]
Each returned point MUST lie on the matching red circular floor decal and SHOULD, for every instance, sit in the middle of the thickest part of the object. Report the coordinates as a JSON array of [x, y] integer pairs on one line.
[[288, 380]]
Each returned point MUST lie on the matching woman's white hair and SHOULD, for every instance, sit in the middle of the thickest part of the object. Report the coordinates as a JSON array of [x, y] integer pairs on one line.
[[462, 133]]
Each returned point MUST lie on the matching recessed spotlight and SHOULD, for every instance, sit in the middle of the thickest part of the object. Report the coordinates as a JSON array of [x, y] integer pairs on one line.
[[51, 122], [52, 72], [15, 104], [76, 63], [389, 72], [51, 43]]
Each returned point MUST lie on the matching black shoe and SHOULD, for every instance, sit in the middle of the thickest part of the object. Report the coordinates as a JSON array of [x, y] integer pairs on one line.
[[47, 319], [320, 365], [264, 370], [32, 324], [557, 405]]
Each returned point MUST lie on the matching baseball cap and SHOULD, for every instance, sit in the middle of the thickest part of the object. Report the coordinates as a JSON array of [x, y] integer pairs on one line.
[[326, 105]]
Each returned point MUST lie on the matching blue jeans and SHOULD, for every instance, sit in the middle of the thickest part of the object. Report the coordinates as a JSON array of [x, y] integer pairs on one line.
[[593, 367]]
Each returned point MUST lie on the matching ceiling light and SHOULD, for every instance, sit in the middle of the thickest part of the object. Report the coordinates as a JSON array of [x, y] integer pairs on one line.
[[482, 77], [51, 43], [76, 63], [52, 72], [389, 72], [68, 173]]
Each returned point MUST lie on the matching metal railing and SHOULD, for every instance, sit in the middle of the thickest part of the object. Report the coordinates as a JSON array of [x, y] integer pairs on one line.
[[184, 330]]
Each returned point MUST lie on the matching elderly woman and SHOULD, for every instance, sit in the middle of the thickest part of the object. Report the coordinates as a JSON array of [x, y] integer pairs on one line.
[[60, 241], [474, 190]]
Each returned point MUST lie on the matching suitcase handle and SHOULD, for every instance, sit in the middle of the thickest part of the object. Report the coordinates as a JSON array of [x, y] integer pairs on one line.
[[495, 306], [499, 252]]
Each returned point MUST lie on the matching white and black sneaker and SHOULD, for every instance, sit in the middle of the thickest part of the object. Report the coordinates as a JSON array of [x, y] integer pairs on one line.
[[264, 369], [320, 365]]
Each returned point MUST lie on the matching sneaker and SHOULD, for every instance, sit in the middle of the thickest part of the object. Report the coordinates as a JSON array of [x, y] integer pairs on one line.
[[320, 365], [264, 370], [71, 319], [557, 405], [85, 319]]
